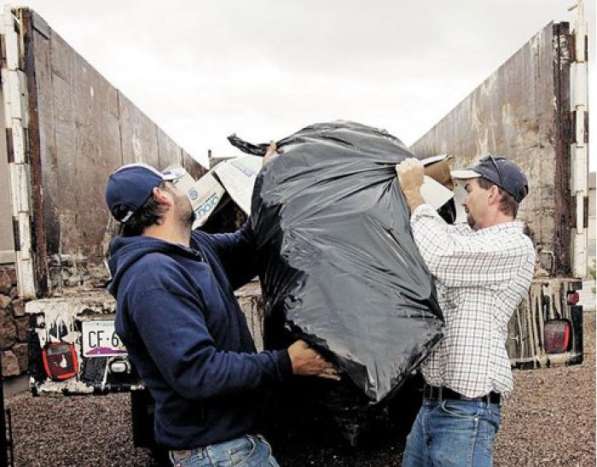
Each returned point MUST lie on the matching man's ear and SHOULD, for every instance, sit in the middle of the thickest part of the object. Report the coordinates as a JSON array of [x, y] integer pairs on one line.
[[494, 195], [162, 196]]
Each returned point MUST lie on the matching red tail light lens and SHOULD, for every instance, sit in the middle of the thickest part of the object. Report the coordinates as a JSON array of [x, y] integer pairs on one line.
[[557, 335], [573, 298], [60, 361]]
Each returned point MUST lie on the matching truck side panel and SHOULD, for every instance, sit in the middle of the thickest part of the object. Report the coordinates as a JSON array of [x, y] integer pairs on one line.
[[84, 129], [522, 112]]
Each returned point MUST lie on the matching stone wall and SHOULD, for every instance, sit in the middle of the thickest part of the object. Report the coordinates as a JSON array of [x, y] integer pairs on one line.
[[13, 325]]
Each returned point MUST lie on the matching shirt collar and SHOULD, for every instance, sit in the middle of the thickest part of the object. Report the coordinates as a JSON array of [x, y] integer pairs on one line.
[[515, 225]]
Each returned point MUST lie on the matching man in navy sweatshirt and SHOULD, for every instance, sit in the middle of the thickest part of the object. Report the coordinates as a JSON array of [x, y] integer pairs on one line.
[[183, 328]]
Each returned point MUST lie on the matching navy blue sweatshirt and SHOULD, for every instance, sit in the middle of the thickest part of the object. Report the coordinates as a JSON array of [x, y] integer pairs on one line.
[[187, 336]]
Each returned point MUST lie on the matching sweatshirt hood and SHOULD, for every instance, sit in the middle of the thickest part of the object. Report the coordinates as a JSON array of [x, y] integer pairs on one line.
[[126, 251]]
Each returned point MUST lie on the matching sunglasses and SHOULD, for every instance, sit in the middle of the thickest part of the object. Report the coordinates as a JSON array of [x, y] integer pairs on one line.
[[497, 168]]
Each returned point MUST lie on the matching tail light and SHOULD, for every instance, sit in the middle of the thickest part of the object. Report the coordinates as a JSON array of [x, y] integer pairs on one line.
[[557, 335], [573, 298], [60, 361]]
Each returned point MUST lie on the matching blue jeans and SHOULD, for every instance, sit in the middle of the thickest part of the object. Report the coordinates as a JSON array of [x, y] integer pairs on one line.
[[246, 451], [452, 433]]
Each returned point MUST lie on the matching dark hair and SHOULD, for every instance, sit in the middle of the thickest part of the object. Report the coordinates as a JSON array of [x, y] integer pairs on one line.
[[508, 204], [147, 215]]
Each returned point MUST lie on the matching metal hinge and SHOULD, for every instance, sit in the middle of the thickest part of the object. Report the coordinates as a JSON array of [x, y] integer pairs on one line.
[[10, 153], [572, 47], [27, 144], [2, 51], [16, 233], [572, 135]]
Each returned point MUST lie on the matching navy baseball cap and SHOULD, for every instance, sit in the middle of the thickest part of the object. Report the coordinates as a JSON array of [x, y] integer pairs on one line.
[[500, 171], [130, 186]]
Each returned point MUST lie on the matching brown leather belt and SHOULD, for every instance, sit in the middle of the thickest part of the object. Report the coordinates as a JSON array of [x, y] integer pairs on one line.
[[439, 393]]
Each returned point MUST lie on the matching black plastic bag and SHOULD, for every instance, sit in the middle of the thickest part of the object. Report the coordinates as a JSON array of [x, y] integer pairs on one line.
[[340, 267]]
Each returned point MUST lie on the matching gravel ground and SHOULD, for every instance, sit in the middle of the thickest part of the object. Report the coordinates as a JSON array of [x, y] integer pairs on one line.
[[550, 420]]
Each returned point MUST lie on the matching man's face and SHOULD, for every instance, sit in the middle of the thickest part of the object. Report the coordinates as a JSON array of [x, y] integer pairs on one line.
[[182, 205], [475, 204]]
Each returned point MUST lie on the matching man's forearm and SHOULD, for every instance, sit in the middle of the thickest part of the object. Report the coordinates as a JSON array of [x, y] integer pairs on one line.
[[414, 199]]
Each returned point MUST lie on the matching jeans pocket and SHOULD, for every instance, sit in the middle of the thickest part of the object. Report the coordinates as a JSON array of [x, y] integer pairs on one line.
[[460, 409], [240, 455], [493, 417], [189, 459]]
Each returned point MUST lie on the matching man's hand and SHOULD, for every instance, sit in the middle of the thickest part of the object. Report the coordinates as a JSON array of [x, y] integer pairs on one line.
[[270, 153], [307, 362], [410, 175]]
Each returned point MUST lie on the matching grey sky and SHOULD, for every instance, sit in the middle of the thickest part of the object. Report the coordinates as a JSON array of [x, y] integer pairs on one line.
[[263, 69]]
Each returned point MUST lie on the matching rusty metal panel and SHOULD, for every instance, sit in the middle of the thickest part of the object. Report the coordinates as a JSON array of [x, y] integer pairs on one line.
[[168, 152], [82, 129], [520, 111], [139, 136], [43, 143]]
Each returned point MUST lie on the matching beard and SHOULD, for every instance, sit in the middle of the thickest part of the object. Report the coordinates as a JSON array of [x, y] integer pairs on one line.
[[184, 211], [187, 215], [470, 220]]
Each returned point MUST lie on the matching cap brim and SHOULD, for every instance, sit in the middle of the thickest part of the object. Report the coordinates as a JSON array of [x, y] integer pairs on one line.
[[172, 173], [168, 177], [464, 174]]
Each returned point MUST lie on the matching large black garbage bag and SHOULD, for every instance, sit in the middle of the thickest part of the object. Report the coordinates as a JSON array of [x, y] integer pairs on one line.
[[340, 267]]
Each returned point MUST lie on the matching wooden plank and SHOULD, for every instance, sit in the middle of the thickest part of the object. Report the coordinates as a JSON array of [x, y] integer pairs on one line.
[[516, 113]]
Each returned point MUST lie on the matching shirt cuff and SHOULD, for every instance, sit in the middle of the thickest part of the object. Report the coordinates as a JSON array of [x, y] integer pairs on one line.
[[422, 210], [284, 364]]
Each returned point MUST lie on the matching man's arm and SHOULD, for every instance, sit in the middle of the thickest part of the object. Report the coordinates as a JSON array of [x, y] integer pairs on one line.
[[237, 253], [454, 258], [237, 250], [464, 260]]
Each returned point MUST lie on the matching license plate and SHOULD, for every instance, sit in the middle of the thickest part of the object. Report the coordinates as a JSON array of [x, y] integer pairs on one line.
[[99, 339]]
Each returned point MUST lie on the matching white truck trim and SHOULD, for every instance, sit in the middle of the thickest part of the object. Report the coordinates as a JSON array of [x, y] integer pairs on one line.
[[579, 148], [14, 88]]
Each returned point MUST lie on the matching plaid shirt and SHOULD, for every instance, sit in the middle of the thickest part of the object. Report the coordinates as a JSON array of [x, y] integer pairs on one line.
[[481, 277]]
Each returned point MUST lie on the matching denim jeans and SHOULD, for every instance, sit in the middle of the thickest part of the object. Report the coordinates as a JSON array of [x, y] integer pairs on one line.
[[452, 433], [246, 451]]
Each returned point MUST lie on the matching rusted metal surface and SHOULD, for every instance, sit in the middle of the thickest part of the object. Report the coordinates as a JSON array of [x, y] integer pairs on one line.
[[82, 129], [168, 152], [40, 240], [138, 134], [520, 111]]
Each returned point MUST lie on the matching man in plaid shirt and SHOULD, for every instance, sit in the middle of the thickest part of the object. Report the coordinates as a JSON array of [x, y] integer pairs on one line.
[[483, 271]]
